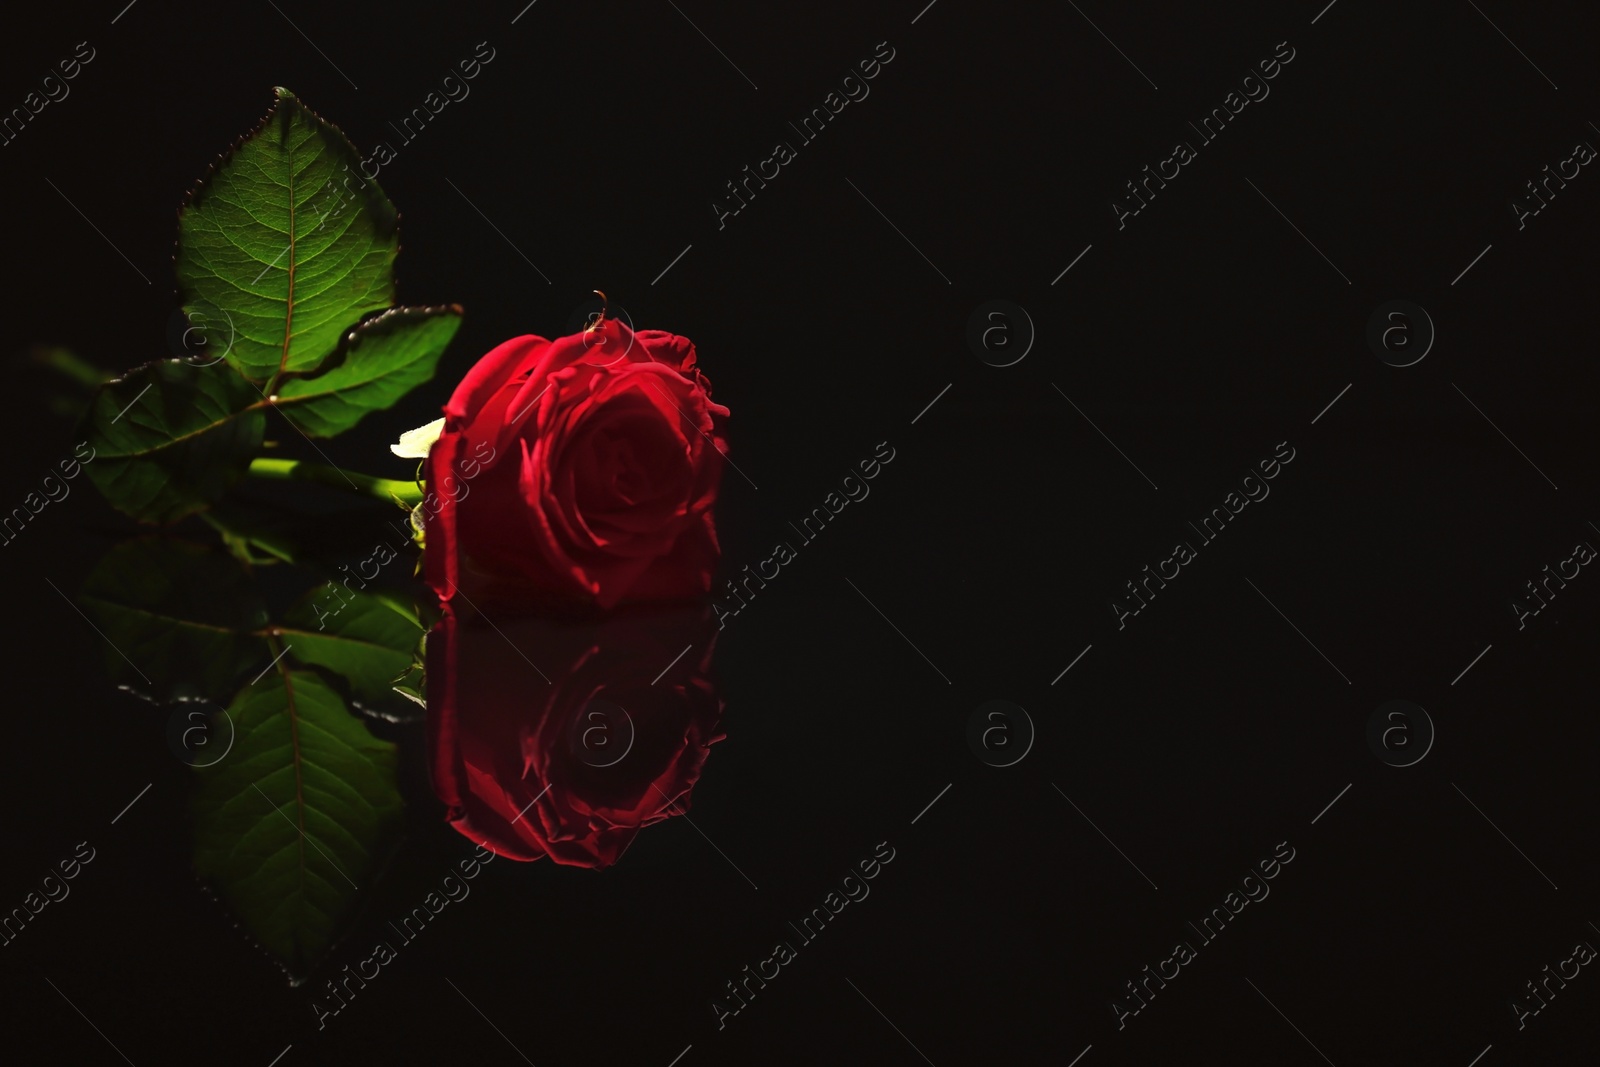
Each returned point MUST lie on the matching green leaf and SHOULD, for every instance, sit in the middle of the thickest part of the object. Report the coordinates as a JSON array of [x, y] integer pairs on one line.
[[295, 821], [381, 361], [258, 548], [358, 636], [187, 618], [286, 244], [171, 437], [299, 530], [410, 685]]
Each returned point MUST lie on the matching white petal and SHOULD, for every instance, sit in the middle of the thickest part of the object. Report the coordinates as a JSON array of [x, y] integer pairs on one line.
[[414, 444]]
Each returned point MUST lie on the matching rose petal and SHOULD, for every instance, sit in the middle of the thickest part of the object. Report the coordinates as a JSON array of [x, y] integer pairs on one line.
[[491, 372], [414, 444]]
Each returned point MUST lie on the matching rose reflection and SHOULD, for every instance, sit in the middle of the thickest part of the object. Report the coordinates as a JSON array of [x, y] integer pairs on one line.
[[573, 766]]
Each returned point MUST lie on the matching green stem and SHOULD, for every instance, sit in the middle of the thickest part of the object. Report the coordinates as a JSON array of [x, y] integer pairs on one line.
[[72, 366], [296, 470]]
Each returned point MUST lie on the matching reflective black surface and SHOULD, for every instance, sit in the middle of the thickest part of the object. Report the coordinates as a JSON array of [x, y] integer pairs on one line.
[[1221, 726]]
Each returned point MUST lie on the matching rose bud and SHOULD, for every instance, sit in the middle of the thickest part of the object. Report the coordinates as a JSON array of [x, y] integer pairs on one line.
[[578, 472], [573, 767]]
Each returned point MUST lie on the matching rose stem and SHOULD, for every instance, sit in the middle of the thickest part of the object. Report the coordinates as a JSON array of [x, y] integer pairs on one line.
[[296, 470]]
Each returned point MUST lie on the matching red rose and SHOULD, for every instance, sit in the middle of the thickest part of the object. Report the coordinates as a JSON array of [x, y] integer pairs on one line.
[[581, 470], [571, 768]]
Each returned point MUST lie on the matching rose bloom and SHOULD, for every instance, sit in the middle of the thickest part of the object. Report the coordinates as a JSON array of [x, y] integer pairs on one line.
[[580, 471], [571, 768]]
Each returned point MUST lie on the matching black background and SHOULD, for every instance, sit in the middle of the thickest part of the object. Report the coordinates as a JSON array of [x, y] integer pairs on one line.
[[1196, 338]]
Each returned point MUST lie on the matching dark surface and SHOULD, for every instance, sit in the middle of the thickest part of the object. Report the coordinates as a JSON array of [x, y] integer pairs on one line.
[[1197, 338]]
